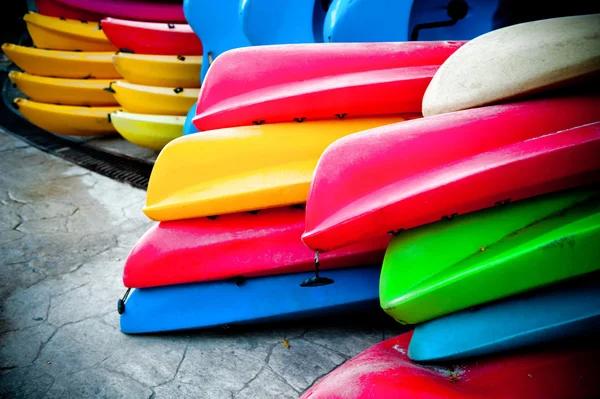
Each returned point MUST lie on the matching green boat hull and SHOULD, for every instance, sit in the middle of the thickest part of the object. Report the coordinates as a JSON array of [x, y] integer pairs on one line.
[[452, 265]]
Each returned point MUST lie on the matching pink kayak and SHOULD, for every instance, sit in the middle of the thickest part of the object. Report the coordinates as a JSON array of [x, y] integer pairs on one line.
[[241, 244], [404, 175], [95, 10], [317, 81], [568, 370]]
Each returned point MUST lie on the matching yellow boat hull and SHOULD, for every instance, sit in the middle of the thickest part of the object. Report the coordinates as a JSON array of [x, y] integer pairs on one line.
[[88, 92], [60, 34], [154, 100], [62, 64], [67, 120], [159, 70], [149, 131], [243, 168]]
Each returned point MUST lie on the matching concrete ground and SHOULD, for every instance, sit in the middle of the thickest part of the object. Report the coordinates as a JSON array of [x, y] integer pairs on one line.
[[65, 233]]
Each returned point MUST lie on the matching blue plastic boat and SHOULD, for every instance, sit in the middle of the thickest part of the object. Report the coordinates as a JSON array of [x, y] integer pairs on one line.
[[218, 25], [260, 299], [561, 311], [292, 21], [188, 125], [403, 20]]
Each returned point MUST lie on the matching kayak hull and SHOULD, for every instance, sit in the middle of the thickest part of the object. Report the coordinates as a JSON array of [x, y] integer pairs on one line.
[[242, 244], [62, 64], [557, 313], [152, 37], [158, 70], [317, 81], [350, 201], [149, 131], [385, 371], [176, 307], [143, 99], [88, 92], [67, 120], [490, 255]]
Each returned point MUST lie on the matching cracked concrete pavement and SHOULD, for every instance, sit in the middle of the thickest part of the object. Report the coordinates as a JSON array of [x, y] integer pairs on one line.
[[65, 233]]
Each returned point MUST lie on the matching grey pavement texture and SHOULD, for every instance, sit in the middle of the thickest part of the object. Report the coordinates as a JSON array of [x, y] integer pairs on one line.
[[65, 233]]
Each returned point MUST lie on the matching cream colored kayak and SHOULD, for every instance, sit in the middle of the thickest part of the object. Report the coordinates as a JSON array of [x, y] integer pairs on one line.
[[143, 99], [243, 168], [66, 34], [67, 120], [159, 70], [149, 131], [64, 91], [62, 64], [514, 61]]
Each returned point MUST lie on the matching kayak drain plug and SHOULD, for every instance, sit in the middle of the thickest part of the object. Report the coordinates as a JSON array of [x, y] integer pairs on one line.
[[316, 281], [121, 302]]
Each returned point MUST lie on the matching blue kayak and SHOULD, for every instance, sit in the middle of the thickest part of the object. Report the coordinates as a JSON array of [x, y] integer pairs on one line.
[[394, 20], [561, 311], [295, 21], [188, 125], [218, 25], [259, 299]]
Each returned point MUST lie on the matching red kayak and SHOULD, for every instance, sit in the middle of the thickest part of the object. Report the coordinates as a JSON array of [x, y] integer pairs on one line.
[[242, 244], [152, 37], [404, 175], [317, 81], [568, 370], [95, 10]]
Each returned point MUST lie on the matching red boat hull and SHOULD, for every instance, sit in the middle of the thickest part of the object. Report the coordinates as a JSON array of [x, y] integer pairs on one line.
[[95, 10], [317, 81], [152, 37], [242, 244], [384, 371], [405, 175]]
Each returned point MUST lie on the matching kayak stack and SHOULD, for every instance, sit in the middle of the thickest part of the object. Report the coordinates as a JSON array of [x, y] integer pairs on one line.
[[64, 76], [492, 203]]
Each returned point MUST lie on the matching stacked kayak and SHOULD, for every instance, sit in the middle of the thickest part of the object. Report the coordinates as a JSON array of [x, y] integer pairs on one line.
[[64, 76], [229, 201]]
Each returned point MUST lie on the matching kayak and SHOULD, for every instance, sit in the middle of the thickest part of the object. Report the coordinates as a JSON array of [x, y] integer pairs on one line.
[[247, 244], [350, 201], [67, 120], [297, 22], [62, 64], [219, 26], [255, 300], [152, 37], [149, 131], [391, 20], [548, 53], [159, 70], [63, 91], [243, 168], [568, 370], [188, 126], [60, 34], [556, 313], [95, 10], [489, 255], [318, 81], [143, 99]]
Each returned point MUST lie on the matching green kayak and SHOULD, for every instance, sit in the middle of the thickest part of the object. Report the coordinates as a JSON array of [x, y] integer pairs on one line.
[[451, 265]]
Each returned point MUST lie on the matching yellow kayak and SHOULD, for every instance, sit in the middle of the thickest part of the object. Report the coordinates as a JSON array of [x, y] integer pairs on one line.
[[62, 64], [154, 100], [159, 70], [149, 131], [67, 120], [64, 91], [243, 168], [66, 34]]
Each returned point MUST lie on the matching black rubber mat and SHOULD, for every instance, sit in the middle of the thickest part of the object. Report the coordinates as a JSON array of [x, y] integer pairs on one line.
[[133, 171]]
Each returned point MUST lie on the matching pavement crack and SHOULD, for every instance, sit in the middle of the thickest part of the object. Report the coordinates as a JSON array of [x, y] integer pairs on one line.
[[43, 345], [318, 378], [72, 289], [343, 355], [181, 361], [282, 379], [117, 372]]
